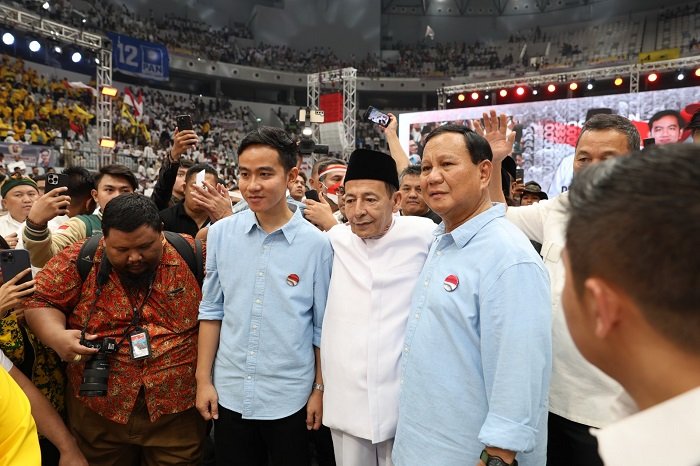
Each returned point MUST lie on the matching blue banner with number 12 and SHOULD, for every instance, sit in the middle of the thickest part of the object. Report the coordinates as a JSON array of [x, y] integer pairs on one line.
[[139, 58]]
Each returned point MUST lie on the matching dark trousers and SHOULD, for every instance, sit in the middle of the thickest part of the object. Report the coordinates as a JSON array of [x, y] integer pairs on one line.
[[322, 446], [251, 442], [570, 444]]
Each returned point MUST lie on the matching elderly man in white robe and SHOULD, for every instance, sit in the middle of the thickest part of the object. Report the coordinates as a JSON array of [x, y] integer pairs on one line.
[[377, 259]]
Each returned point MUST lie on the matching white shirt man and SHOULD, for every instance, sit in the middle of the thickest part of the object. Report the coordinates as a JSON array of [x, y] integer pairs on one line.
[[377, 260]]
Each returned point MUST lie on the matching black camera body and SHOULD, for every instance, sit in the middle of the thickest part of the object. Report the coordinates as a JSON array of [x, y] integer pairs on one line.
[[96, 373]]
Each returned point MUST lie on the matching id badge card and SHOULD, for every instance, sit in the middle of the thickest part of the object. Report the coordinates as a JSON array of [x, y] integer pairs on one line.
[[140, 344]]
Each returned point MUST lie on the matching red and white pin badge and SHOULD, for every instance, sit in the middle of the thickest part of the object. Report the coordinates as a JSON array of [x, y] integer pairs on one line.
[[451, 283], [293, 279]]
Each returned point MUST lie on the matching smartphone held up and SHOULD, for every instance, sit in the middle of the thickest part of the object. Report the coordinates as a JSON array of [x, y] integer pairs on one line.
[[377, 116]]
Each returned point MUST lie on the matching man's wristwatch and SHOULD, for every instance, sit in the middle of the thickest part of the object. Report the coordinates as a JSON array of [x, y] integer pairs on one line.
[[495, 460], [318, 386]]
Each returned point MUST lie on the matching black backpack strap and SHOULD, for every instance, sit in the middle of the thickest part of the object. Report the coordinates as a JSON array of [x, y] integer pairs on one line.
[[86, 255], [194, 258]]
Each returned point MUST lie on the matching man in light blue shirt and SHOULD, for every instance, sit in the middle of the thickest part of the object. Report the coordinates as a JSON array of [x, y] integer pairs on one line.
[[477, 355], [268, 272]]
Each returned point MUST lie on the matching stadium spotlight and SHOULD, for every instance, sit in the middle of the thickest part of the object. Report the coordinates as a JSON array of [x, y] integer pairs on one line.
[[573, 86], [34, 46], [652, 77], [109, 90], [487, 96], [97, 60], [589, 86], [475, 96], [551, 88], [449, 100], [697, 72], [618, 81], [461, 97], [680, 76], [535, 92], [8, 39], [307, 131], [76, 57], [46, 6], [58, 49], [520, 90], [107, 143], [503, 93]]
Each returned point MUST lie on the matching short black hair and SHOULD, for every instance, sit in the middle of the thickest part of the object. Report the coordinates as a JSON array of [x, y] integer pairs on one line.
[[194, 169], [117, 171], [412, 170], [80, 182], [275, 138], [618, 208], [605, 121], [664, 113], [478, 147], [128, 212], [186, 163]]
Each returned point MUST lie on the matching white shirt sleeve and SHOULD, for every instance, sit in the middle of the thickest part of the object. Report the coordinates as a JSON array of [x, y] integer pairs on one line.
[[5, 361], [530, 219]]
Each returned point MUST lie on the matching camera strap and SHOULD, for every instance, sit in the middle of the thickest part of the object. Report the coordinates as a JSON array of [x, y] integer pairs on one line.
[[138, 337]]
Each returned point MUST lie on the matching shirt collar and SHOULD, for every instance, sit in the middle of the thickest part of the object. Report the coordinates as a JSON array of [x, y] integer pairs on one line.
[[466, 231], [289, 229], [643, 438]]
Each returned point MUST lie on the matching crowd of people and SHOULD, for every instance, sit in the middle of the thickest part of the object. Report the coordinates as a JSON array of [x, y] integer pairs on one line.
[[426, 58], [386, 313]]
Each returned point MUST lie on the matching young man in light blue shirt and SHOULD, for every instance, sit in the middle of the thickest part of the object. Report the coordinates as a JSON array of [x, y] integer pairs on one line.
[[268, 272], [477, 355]]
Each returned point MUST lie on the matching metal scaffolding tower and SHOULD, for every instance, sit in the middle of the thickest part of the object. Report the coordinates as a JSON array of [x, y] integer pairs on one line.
[[347, 77], [97, 44]]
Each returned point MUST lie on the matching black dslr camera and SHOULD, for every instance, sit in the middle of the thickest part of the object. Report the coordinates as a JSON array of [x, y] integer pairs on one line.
[[96, 371]]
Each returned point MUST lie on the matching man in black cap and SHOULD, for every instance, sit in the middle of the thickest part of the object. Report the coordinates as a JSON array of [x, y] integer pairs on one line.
[[378, 256], [532, 193]]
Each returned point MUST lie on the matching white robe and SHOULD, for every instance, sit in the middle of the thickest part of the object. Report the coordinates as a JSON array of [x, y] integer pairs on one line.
[[365, 323]]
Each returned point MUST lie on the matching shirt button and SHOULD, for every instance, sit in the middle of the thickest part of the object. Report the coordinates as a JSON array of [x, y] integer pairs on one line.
[[260, 274], [257, 301], [249, 377], [405, 349]]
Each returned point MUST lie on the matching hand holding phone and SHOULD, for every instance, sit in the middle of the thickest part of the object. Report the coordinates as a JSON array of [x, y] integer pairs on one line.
[[199, 179], [56, 180], [376, 116], [184, 122], [13, 262], [312, 194]]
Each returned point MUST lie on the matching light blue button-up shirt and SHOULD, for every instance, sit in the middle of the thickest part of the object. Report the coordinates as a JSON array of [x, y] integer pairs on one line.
[[477, 359], [269, 291]]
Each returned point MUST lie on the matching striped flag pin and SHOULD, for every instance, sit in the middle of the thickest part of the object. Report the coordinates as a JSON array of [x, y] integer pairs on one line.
[[451, 283], [292, 279]]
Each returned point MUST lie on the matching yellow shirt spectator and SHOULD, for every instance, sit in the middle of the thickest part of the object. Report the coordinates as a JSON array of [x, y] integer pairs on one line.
[[18, 112], [29, 113], [4, 128], [20, 127], [19, 443]]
